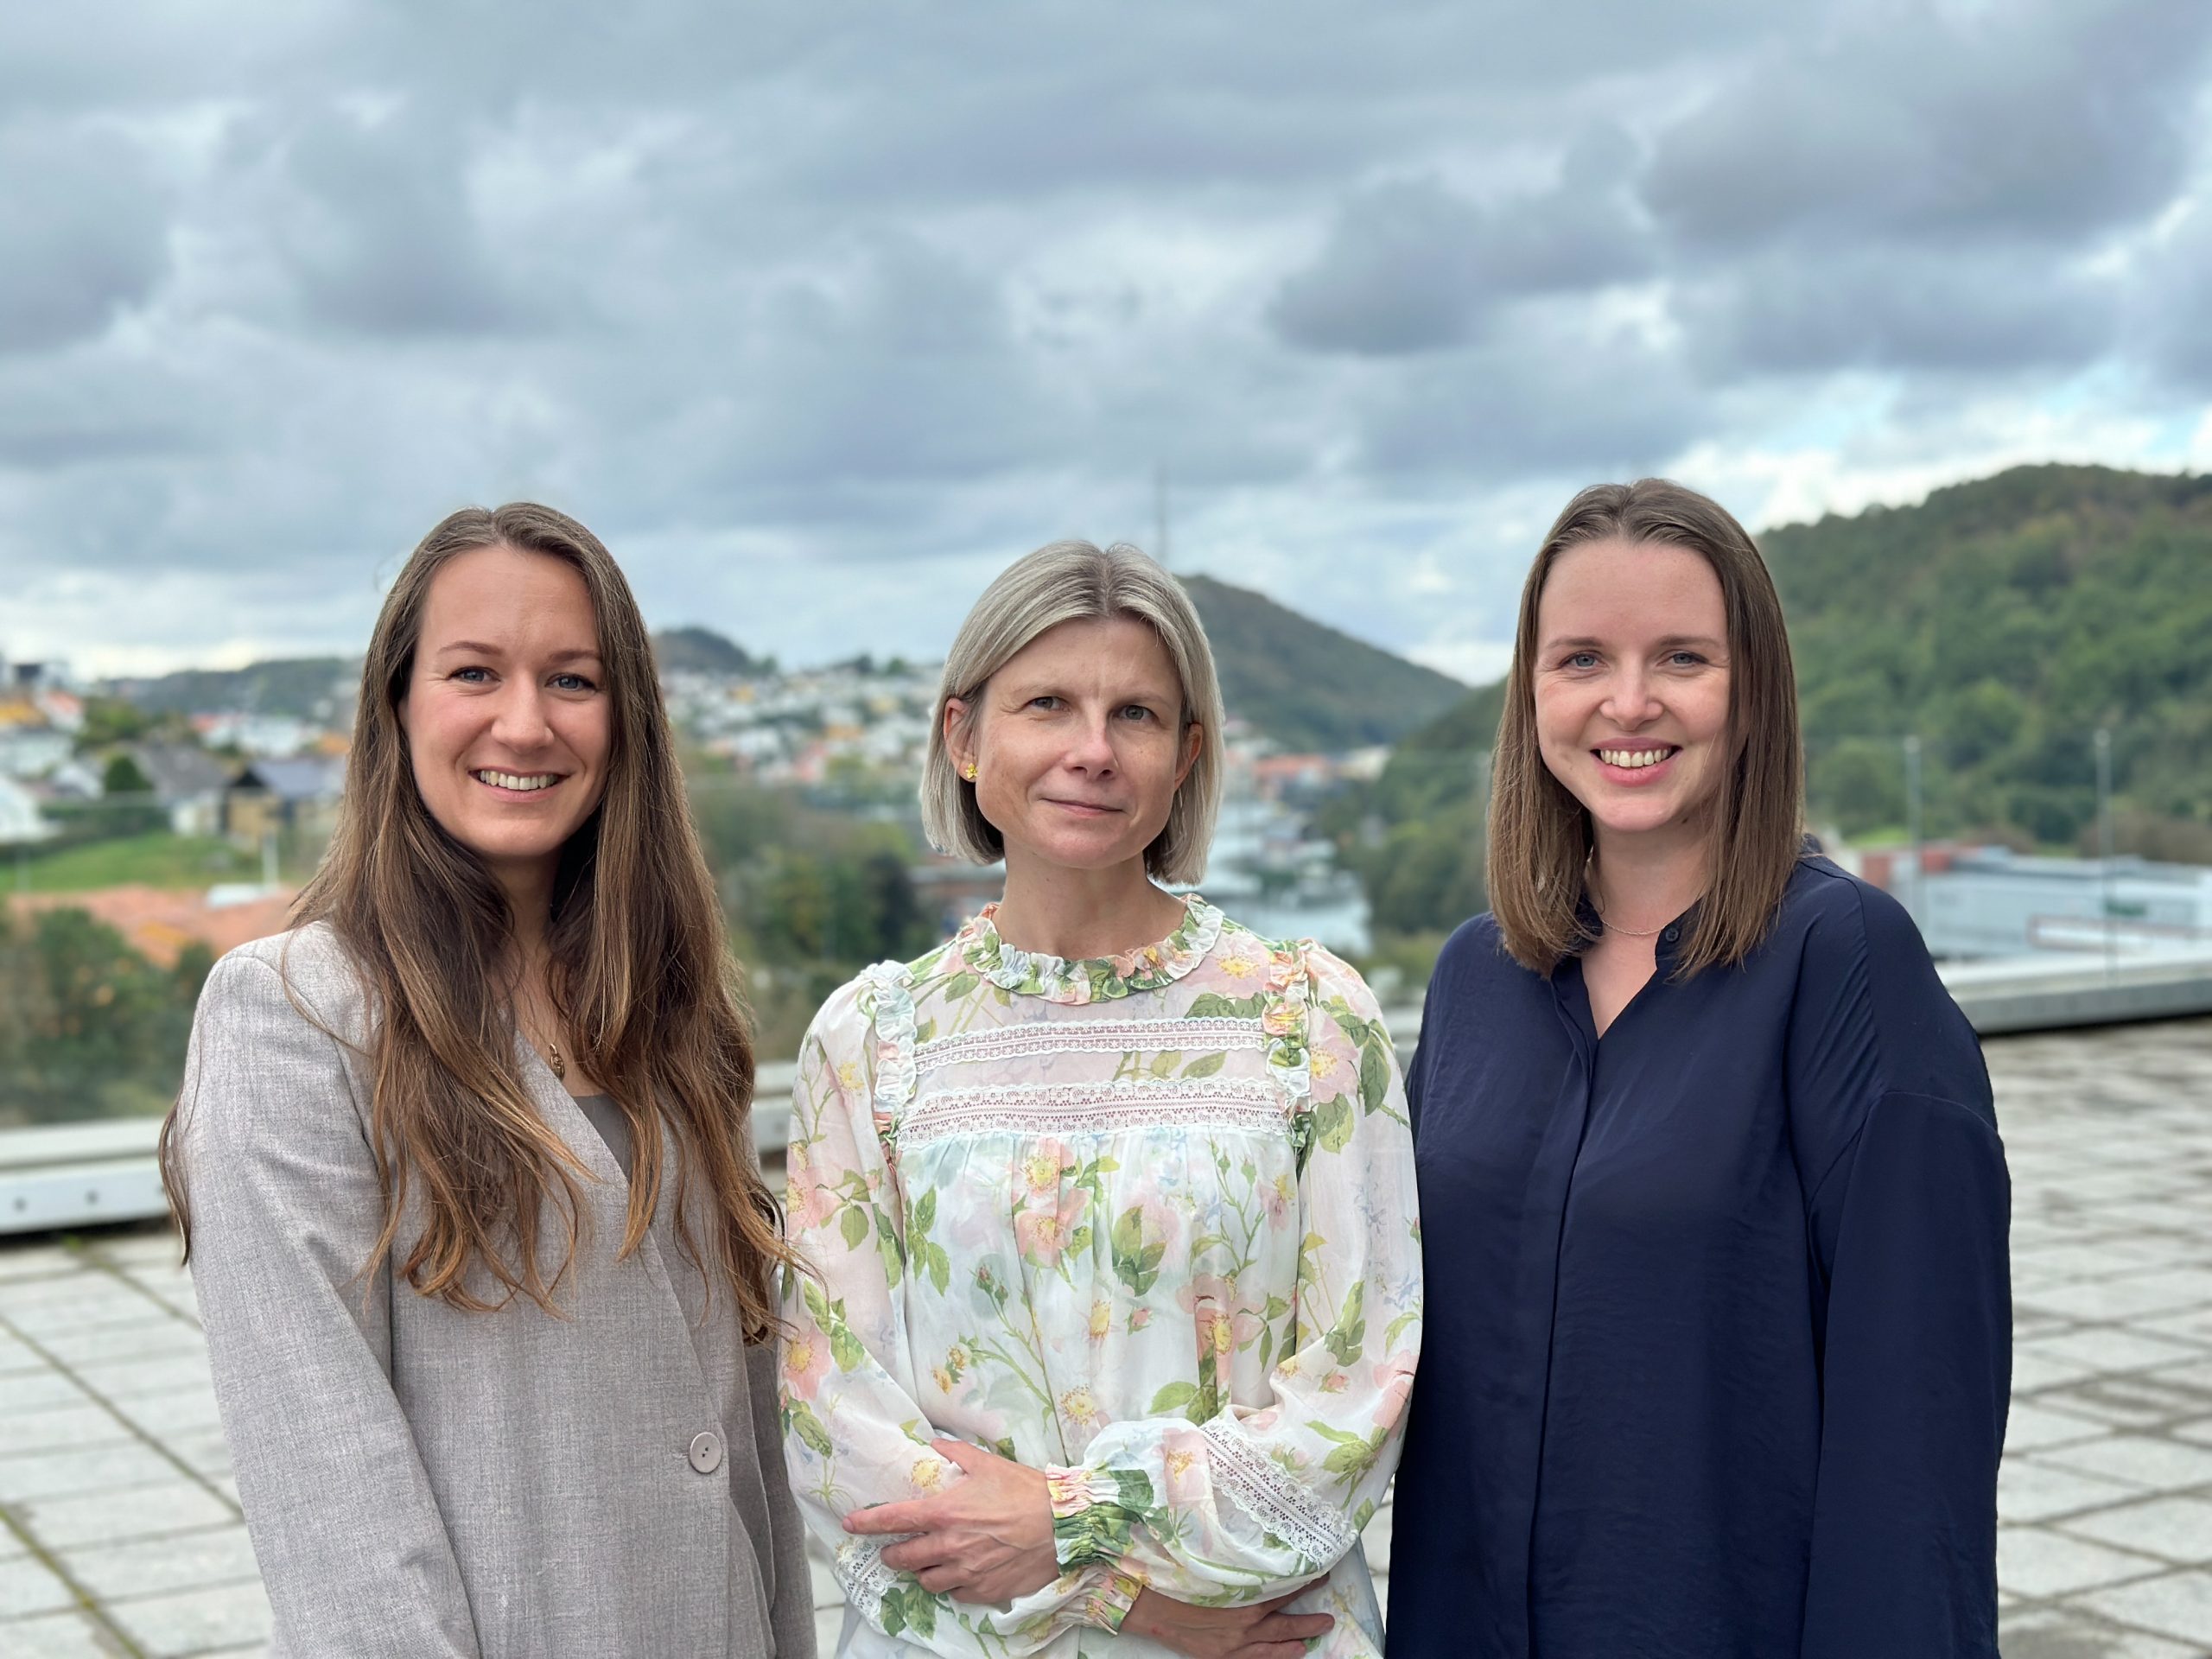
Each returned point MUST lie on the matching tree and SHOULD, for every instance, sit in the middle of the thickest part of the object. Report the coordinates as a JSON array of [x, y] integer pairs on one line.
[[124, 776], [88, 1026]]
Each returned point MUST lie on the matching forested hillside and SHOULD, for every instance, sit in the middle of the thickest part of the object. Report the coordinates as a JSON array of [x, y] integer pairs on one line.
[[2001, 621], [1307, 685]]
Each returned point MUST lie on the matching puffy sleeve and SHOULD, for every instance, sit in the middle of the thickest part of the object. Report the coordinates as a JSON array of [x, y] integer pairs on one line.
[[286, 1208], [1258, 1500], [854, 1436], [1910, 1209]]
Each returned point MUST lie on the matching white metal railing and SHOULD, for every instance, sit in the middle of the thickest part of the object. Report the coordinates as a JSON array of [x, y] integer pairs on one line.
[[88, 1174], [85, 1174]]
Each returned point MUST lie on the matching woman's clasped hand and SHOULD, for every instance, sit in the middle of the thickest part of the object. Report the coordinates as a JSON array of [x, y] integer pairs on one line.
[[987, 1538], [1264, 1630]]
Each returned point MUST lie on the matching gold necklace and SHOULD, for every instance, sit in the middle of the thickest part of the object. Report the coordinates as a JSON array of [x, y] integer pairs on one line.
[[1589, 858], [553, 1059]]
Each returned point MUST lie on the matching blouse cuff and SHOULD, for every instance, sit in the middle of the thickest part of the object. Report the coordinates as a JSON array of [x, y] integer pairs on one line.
[[1106, 1595], [1094, 1512]]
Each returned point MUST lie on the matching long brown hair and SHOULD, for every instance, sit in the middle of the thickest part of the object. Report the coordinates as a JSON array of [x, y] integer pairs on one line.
[[639, 975], [1539, 834]]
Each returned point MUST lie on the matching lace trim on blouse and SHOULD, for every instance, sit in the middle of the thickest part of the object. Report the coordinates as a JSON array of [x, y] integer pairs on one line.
[[1231, 1103], [1322, 1534], [1038, 1036], [859, 1568]]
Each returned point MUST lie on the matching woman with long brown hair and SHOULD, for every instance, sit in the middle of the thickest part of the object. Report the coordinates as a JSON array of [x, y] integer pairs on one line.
[[1707, 1158], [464, 1166]]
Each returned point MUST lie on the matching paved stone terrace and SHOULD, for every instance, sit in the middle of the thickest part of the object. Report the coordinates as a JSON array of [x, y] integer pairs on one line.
[[120, 1532]]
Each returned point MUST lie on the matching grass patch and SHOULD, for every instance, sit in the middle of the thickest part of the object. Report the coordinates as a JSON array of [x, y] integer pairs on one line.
[[159, 860]]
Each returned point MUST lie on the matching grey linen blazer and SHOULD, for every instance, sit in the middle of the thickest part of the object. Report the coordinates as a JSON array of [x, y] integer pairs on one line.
[[421, 1482]]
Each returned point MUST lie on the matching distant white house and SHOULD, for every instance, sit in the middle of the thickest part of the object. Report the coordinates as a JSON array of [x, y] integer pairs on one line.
[[189, 783], [20, 819], [33, 750]]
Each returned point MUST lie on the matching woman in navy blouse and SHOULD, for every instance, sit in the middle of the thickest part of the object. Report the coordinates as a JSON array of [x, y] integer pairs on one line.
[[1718, 1343]]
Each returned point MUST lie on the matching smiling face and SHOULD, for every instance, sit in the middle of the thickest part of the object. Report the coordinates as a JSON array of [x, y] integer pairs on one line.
[[507, 721], [1079, 744], [1631, 685]]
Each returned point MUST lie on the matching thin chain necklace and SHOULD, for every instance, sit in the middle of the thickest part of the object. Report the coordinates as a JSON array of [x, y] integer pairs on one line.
[[1625, 932]]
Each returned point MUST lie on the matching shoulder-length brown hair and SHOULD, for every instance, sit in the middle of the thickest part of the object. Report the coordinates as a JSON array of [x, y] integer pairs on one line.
[[639, 975], [1540, 836]]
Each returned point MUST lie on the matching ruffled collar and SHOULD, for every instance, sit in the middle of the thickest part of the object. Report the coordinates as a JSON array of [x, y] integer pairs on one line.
[[1059, 979]]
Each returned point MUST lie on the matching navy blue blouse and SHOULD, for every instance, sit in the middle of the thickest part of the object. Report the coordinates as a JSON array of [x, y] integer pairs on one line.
[[1718, 1337]]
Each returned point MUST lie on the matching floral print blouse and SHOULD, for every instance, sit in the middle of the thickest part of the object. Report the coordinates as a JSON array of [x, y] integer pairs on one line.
[[1146, 1223]]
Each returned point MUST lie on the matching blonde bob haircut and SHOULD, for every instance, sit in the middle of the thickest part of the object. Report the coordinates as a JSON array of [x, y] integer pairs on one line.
[[1076, 582], [1539, 834]]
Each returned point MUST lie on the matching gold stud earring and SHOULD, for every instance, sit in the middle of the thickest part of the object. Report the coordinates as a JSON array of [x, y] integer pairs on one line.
[[969, 771]]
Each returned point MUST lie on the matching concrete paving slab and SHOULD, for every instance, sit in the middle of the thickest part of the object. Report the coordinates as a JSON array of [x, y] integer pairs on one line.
[[2037, 1562], [28, 1586], [2144, 1459], [194, 1621], [149, 1567], [2177, 1528], [2178, 1606], [112, 1517]]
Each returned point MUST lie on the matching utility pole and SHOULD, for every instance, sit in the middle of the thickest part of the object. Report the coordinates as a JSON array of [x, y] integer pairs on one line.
[[1160, 512], [1912, 828], [2104, 846]]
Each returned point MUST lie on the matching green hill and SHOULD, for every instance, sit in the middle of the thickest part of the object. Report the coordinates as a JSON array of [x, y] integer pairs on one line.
[[702, 650], [303, 688], [2001, 621], [1307, 685]]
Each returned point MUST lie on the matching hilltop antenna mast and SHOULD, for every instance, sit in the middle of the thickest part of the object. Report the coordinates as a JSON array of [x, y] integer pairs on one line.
[[1160, 512]]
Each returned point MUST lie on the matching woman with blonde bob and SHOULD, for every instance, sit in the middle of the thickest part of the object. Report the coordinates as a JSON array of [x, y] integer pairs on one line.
[[1113, 1286], [463, 1165], [1710, 1155]]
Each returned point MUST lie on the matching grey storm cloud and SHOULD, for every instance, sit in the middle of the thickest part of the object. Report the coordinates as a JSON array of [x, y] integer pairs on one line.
[[803, 300], [1413, 265], [1903, 309], [2048, 119], [84, 228]]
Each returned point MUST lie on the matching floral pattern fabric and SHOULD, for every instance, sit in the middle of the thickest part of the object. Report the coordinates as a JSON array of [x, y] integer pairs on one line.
[[1146, 1223]]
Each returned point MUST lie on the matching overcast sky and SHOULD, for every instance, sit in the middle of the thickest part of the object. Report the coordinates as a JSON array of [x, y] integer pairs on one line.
[[820, 313]]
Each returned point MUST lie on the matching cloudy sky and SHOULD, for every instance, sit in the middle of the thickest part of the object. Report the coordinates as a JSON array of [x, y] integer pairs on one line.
[[819, 314]]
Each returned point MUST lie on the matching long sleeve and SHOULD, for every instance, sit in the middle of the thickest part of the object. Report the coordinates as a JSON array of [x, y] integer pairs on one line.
[[1908, 1222], [791, 1615], [285, 1210], [854, 1436], [1240, 1503], [1914, 1379]]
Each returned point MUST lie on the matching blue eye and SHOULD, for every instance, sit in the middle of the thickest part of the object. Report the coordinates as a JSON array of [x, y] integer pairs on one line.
[[462, 674], [1582, 659], [574, 682], [1136, 711]]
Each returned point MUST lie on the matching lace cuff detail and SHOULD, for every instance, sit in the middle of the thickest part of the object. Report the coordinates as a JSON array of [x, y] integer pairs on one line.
[[860, 1573], [1095, 1511], [1322, 1534]]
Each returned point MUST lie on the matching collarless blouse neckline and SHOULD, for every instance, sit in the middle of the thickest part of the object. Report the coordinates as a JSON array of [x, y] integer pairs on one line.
[[1061, 979]]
